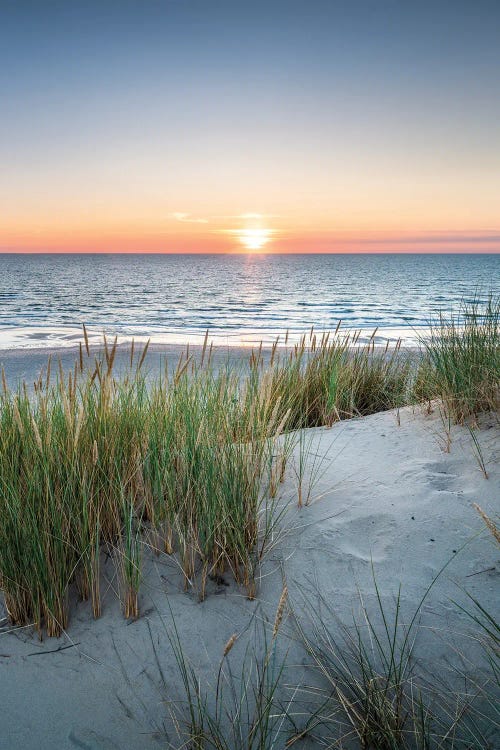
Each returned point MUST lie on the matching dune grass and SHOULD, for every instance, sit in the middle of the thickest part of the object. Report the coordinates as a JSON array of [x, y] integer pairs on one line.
[[192, 461], [373, 693], [363, 687], [334, 377], [461, 366], [89, 461], [243, 710]]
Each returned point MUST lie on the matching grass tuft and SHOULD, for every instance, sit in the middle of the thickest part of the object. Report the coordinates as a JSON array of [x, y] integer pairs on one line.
[[462, 360]]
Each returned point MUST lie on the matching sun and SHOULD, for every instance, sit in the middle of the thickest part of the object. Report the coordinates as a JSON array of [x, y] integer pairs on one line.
[[254, 239]]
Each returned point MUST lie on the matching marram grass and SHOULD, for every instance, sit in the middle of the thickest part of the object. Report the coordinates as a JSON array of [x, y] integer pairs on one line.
[[461, 364], [87, 461], [192, 460]]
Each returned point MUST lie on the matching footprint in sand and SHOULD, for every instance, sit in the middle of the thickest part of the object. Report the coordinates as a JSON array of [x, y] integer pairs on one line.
[[371, 539], [441, 481], [86, 739]]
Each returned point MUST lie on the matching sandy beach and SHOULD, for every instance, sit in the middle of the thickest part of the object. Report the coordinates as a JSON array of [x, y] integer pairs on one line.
[[386, 496], [249, 375], [26, 364], [24, 356]]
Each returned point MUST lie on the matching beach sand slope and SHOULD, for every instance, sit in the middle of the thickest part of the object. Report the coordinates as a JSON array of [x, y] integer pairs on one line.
[[386, 501]]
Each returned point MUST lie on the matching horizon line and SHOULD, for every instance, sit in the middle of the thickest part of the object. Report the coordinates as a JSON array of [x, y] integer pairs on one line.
[[249, 253]]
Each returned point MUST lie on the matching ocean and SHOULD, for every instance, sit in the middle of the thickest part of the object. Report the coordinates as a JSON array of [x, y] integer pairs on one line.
[[240, 299]]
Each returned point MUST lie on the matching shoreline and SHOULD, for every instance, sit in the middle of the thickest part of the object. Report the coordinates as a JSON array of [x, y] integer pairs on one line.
[[25, 364], [54, 339]]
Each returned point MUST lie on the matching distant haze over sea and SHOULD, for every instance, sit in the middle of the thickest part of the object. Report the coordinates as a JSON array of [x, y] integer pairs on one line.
[[44, 299]]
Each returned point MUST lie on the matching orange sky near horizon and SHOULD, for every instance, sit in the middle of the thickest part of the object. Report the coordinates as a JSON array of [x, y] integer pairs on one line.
[[260, 234], [170, 243], [342, 211]]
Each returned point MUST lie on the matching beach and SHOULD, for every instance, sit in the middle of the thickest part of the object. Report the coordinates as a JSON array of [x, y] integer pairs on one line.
[[389, 505], [249, 376], [210, 523]]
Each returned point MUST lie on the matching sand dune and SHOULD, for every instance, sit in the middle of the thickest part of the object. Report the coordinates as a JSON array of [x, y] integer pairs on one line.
[[385, 495]]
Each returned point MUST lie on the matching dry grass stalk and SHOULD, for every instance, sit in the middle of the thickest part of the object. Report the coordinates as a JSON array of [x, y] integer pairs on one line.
[[229, 645], [280, 610], [489, 523]]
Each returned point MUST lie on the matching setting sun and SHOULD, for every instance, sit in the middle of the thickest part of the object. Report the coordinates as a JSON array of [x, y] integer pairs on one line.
[[254, 239]]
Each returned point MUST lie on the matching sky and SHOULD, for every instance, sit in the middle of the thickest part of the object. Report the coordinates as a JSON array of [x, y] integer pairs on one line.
[[277, 126]]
